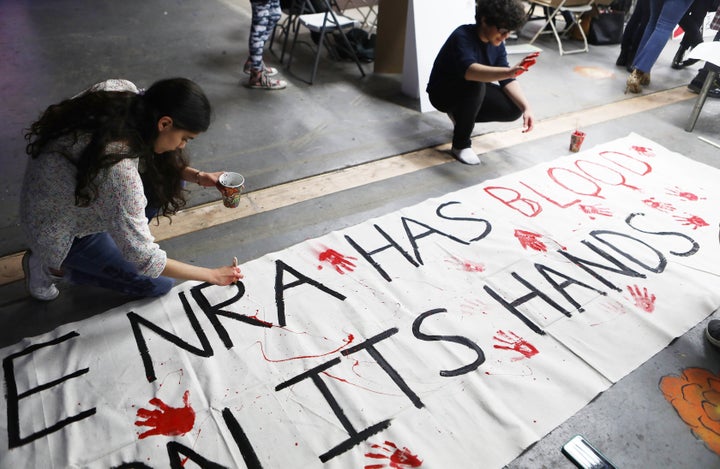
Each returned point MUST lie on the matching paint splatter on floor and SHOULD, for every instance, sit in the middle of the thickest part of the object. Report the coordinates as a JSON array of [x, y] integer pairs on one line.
[[593, 72]]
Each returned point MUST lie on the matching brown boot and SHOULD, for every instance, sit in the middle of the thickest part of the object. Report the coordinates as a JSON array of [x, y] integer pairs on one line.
[[636, 81]]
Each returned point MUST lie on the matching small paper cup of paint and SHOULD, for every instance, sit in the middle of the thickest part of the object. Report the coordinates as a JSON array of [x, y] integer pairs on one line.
[[231, 185], [576, 140]]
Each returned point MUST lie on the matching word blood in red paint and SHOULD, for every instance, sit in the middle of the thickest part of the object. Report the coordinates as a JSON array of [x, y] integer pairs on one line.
[[511, 341], [643, 150], [694, 221], [341, 263], [166, 420], [593, 210], [662, 206], [643, 300], [530, 239], [398, 458], [689, 196]]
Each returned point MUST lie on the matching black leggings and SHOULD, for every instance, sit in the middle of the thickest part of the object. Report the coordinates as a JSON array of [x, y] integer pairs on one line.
[[692, 23], [474, 102]]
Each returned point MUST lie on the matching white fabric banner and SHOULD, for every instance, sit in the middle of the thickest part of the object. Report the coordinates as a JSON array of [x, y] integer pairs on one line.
[[453, 333]]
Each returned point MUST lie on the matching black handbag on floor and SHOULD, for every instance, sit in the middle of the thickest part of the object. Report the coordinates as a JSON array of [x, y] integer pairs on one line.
[[606, 28]]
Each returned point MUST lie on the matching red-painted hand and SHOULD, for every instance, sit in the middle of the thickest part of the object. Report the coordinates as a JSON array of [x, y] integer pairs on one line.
[[167, 420]]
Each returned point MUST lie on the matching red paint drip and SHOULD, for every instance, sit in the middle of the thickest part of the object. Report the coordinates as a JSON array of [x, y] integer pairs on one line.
[[166, 420], [528, 239], [343, 380], [398, 458], [469, 266], [593, 210], [350, 338], [268, 324]]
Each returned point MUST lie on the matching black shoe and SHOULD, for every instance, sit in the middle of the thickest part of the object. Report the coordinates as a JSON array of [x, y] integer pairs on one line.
[[677, 62], [713, 92], [712, 332]]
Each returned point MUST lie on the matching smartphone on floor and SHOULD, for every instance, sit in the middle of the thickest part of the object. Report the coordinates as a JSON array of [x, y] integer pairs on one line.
[[585, 455]]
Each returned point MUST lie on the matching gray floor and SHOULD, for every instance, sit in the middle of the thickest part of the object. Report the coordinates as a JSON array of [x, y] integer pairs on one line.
[[51, 49]]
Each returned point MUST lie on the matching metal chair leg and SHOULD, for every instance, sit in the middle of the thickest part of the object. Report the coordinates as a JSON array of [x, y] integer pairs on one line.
[[700, 102], [352, 52], [292, 48], [317, 55]]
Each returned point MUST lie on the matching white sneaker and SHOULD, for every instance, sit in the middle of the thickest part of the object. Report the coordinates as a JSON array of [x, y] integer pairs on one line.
[[38, 281], [466, 155]]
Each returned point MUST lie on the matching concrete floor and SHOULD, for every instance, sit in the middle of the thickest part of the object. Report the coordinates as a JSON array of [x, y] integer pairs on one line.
[[51, 49]]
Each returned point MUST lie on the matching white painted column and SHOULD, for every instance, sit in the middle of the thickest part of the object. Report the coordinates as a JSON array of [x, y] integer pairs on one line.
[[429, 23]]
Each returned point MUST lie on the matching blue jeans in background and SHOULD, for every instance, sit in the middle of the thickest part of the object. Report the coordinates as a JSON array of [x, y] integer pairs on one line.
[[664, 16]]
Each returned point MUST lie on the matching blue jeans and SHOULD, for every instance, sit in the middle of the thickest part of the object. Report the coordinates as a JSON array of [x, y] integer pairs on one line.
[[664, 16], [96, 260]]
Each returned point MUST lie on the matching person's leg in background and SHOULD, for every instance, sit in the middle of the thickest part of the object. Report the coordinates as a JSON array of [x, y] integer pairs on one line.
[[692, 25], [697, 82], [664, 16], [633, 33], [265, 15]]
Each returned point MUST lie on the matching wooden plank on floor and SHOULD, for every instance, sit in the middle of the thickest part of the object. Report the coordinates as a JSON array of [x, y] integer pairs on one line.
[[283, 195]]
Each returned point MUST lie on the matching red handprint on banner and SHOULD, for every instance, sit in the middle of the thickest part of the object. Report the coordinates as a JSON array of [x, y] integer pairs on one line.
[[694, 221], [689, 196], [341, 263], [662, 206], [645, 151], [530, 239], [398, 458], [166, 420], [511, 341], [643, 300]]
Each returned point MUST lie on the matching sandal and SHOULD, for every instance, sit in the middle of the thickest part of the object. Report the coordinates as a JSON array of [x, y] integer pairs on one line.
[[263, 81]]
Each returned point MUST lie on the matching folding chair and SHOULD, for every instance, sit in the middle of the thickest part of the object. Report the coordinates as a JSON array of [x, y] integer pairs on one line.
[[367, 10], [710, 52], [576, 8], [292, 9], [323, 23]]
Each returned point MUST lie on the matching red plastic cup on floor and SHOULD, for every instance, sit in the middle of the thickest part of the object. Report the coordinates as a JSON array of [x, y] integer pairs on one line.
[[576, 140]]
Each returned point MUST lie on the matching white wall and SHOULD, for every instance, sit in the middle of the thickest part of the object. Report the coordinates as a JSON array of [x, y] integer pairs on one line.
[[429, 23]]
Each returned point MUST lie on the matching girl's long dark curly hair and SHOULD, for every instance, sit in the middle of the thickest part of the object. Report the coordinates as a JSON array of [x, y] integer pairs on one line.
[[128, 121], [503, 14]]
